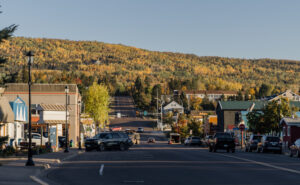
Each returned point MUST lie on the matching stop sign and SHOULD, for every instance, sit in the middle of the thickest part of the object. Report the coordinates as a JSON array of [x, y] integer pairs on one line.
[[242, 126]]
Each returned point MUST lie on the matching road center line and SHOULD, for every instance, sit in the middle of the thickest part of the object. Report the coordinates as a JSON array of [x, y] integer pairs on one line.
[[263, 164], [101, 170]]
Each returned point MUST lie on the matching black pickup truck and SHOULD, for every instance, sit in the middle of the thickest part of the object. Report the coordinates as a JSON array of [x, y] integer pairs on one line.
[[222, 141]]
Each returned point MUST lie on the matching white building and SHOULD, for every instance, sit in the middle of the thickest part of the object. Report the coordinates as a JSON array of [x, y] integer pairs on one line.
[[54, 118], [173, 107]]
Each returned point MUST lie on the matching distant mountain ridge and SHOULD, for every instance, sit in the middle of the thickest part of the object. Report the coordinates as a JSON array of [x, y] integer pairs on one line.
[[125, 63]]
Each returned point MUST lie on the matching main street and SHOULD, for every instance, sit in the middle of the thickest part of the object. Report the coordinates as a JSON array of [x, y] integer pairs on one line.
[[176, 164], [160, 163]]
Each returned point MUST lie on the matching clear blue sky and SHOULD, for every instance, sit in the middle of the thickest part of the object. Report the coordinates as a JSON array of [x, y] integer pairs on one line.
[[229, 28]]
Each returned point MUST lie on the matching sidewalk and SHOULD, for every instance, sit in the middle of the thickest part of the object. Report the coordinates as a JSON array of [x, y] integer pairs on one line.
[[13, 170]]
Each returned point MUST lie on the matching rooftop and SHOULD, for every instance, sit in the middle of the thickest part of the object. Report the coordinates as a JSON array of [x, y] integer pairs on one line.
[[23, 87]]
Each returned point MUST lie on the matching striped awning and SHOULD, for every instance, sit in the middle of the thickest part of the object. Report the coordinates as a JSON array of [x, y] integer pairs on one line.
[[53, 107], [54, 122]]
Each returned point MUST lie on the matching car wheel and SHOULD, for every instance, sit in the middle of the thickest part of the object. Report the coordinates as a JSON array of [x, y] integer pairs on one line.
[[232, 150], [227, 150], [210, 149], [250, 150], [101, 147], [246, 149], [298, 153], [264, 150], [122, 146], [215, 149]]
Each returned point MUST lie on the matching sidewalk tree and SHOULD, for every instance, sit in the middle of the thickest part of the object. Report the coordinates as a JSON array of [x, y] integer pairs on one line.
[[256, 122], [274, 112], [97, 104]]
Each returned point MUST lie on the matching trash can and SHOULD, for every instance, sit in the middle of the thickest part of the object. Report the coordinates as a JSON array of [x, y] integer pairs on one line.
[[71, 143]]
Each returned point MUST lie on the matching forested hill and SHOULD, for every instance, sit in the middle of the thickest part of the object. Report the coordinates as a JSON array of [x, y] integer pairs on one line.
[[118, 66]]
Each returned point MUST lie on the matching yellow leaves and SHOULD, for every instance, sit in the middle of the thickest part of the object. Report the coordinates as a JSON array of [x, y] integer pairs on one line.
[[252, 91]]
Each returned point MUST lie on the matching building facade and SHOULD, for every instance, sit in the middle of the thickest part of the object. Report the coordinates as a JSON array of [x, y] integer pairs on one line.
[[211, 95], [49, 94]]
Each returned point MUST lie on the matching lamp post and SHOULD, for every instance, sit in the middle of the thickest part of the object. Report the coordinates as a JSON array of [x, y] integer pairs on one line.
[[79, 102], [66, 127], [30, 61]]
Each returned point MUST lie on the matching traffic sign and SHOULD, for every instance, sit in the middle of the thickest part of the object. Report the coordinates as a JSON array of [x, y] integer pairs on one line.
[[242, 126]]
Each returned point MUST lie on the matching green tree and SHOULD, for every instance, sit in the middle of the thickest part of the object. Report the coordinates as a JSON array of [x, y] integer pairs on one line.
[[97, 104], [256, 123], [240, 96], [5, 34], [265, 90], [196, 127], [274, 112]]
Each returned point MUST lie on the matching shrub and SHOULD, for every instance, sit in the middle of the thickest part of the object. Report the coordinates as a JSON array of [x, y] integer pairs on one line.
[[8, 151]]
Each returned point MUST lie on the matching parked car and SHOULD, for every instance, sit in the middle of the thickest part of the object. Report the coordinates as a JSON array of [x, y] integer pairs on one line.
[[295, 148], [207, 139], [193, 140], [106, 140], [187, 141], [251, 143], [270, 143], [223, 141], [140, 130], [151, 140], [36, 138]]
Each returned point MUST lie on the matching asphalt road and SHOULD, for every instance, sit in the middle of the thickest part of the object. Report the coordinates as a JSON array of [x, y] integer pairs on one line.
[[160, 163], [125, 106], [176, 164]]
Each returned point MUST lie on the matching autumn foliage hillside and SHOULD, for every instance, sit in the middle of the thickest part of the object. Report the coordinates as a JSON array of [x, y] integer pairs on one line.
[[82, 62]]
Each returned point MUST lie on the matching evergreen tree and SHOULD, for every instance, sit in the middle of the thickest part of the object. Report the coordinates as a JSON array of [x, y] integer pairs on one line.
[[5, 34]]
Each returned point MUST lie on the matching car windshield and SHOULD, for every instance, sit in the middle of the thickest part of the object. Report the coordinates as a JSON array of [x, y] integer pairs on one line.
[[257, 138], [273, 139], [223, 135]]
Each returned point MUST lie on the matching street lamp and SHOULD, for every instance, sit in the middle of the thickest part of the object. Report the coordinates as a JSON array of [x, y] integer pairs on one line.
[[79, 103], [30, 61], [66, 127]]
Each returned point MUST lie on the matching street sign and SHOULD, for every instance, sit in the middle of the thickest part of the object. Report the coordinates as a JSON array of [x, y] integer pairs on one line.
[[242, 126]]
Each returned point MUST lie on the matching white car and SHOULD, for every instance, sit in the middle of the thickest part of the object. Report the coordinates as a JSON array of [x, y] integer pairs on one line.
[[187, 141], [36, 138]]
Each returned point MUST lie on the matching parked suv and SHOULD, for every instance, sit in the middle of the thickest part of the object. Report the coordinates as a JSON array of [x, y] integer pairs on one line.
[[270, 143], [106, 140], [251, 143]]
